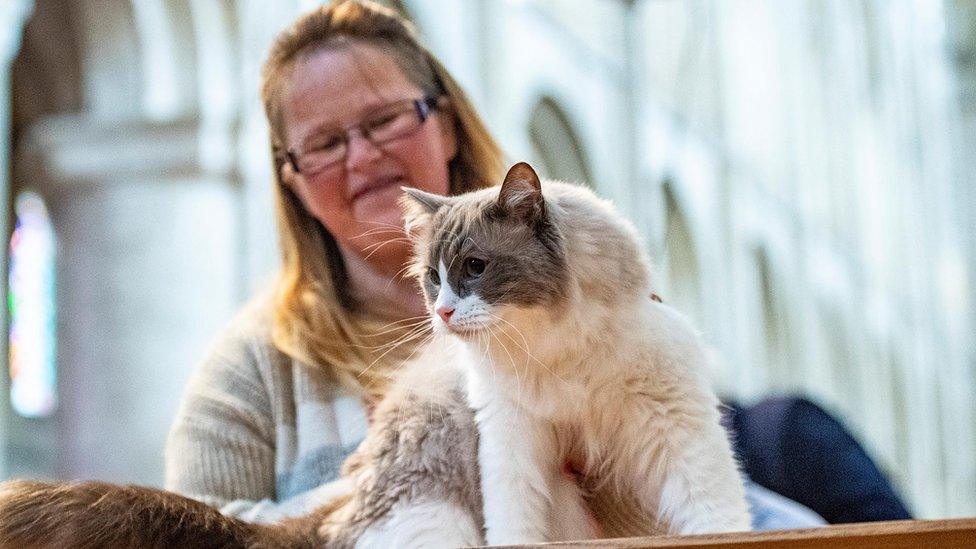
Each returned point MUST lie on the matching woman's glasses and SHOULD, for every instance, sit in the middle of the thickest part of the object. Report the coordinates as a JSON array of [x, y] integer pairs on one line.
[[389, 122]]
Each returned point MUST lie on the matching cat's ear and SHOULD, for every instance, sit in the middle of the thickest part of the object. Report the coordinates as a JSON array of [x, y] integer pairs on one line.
[[521, 193], [418, 207]]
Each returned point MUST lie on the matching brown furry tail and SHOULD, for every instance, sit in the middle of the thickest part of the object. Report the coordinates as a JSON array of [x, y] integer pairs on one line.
[[95, 515]]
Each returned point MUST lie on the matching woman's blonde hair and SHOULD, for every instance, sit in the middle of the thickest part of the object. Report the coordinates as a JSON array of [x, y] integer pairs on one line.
[[315, 319]]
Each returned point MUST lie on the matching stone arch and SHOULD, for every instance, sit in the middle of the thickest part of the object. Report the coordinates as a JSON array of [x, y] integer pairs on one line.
[[110, 57], [165, 32], [556, 144], [683, 267], [775, 324], [218, 70]]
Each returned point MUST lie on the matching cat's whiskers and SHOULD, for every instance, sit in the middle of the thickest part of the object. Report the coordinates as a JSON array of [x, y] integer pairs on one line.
[[428, 404], [409, 329], [453, 259], [525, 349], [483, 357], [379, 245], [387, 228], [394, 239], [404, 239], [372, 232], [402, 236], [397, 324], [412, 333], [473, 241], [402, 364], [400, 274], [499, 298], [396, 343], [383, 224], [518, 380], [453, 345]]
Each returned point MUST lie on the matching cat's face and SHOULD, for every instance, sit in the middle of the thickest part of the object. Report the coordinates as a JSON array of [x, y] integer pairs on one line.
[[485, 257]]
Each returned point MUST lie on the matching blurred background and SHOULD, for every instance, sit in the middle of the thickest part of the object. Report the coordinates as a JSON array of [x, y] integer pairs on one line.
[[802, 171]]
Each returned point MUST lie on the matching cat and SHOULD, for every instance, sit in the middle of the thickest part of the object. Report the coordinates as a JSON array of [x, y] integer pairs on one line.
[[567, 359], [544, 326]]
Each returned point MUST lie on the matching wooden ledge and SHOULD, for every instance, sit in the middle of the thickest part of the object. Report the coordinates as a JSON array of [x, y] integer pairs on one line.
[[907, 534]]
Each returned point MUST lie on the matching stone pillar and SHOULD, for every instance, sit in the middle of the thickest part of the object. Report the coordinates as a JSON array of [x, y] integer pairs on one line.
[[146, 269], [960, 276], [13, 16]]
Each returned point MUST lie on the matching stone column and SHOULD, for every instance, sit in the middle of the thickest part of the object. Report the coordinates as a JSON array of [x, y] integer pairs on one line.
[[145, 274], [13, 16], [960, 277]]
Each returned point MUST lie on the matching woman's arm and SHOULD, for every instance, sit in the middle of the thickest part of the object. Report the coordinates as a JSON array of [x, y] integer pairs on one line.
[[222, 447]]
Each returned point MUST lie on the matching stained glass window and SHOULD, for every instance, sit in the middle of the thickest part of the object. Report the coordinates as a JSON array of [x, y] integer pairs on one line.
[[30, 299]]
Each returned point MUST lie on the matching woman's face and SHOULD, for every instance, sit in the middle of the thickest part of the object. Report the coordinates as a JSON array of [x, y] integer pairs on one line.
[[356, 199]]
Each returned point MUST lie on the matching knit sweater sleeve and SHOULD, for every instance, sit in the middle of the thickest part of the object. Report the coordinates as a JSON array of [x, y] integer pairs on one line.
[[221, 447]]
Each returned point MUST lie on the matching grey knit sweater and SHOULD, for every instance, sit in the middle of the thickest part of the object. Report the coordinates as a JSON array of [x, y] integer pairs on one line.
[[258, 434]]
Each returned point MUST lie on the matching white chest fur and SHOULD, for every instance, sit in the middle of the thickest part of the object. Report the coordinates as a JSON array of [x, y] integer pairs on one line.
[[635, 411]]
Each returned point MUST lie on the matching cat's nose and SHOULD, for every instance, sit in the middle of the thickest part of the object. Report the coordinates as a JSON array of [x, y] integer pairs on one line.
[[445, 313]]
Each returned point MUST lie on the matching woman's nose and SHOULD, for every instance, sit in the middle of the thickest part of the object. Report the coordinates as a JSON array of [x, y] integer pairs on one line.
[[360, 150]]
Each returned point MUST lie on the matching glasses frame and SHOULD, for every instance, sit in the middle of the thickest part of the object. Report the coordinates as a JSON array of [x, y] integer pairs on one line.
[[424, 107]]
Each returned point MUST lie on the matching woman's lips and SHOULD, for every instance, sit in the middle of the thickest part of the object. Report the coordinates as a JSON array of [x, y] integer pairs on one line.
[[376, 185]]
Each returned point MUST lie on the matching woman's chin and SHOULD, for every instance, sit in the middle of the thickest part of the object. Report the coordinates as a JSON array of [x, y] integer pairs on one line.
[[380, 208]]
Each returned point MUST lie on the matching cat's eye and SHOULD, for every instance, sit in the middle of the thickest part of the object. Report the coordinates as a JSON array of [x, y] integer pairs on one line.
[[432, 275], [474, 267]]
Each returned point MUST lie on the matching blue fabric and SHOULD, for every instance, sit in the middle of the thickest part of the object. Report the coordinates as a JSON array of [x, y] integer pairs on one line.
[[318, 467], [794, 448], [771, 511]]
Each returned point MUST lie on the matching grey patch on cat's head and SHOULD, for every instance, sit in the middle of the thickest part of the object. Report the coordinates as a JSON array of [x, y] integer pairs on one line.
[[506, 230]]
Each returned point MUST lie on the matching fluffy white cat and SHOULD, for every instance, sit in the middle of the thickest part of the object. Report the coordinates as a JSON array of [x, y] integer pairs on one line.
[[573, 371]]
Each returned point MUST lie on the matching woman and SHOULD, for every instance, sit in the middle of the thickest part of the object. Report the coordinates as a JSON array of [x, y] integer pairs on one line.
[[357, 108]]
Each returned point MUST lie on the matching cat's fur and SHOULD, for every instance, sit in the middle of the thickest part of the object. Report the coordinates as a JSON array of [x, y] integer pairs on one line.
[[582, 367], [568, 359]]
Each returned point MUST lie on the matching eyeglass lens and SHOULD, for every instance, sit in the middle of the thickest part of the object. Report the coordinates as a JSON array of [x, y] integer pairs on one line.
[[379, 127]]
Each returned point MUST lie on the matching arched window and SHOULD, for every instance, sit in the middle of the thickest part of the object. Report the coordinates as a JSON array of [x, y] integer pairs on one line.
[[555, 144], [33, 384]]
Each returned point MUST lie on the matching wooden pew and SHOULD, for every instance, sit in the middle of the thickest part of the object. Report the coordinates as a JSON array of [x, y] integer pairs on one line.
[[901, 534]]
